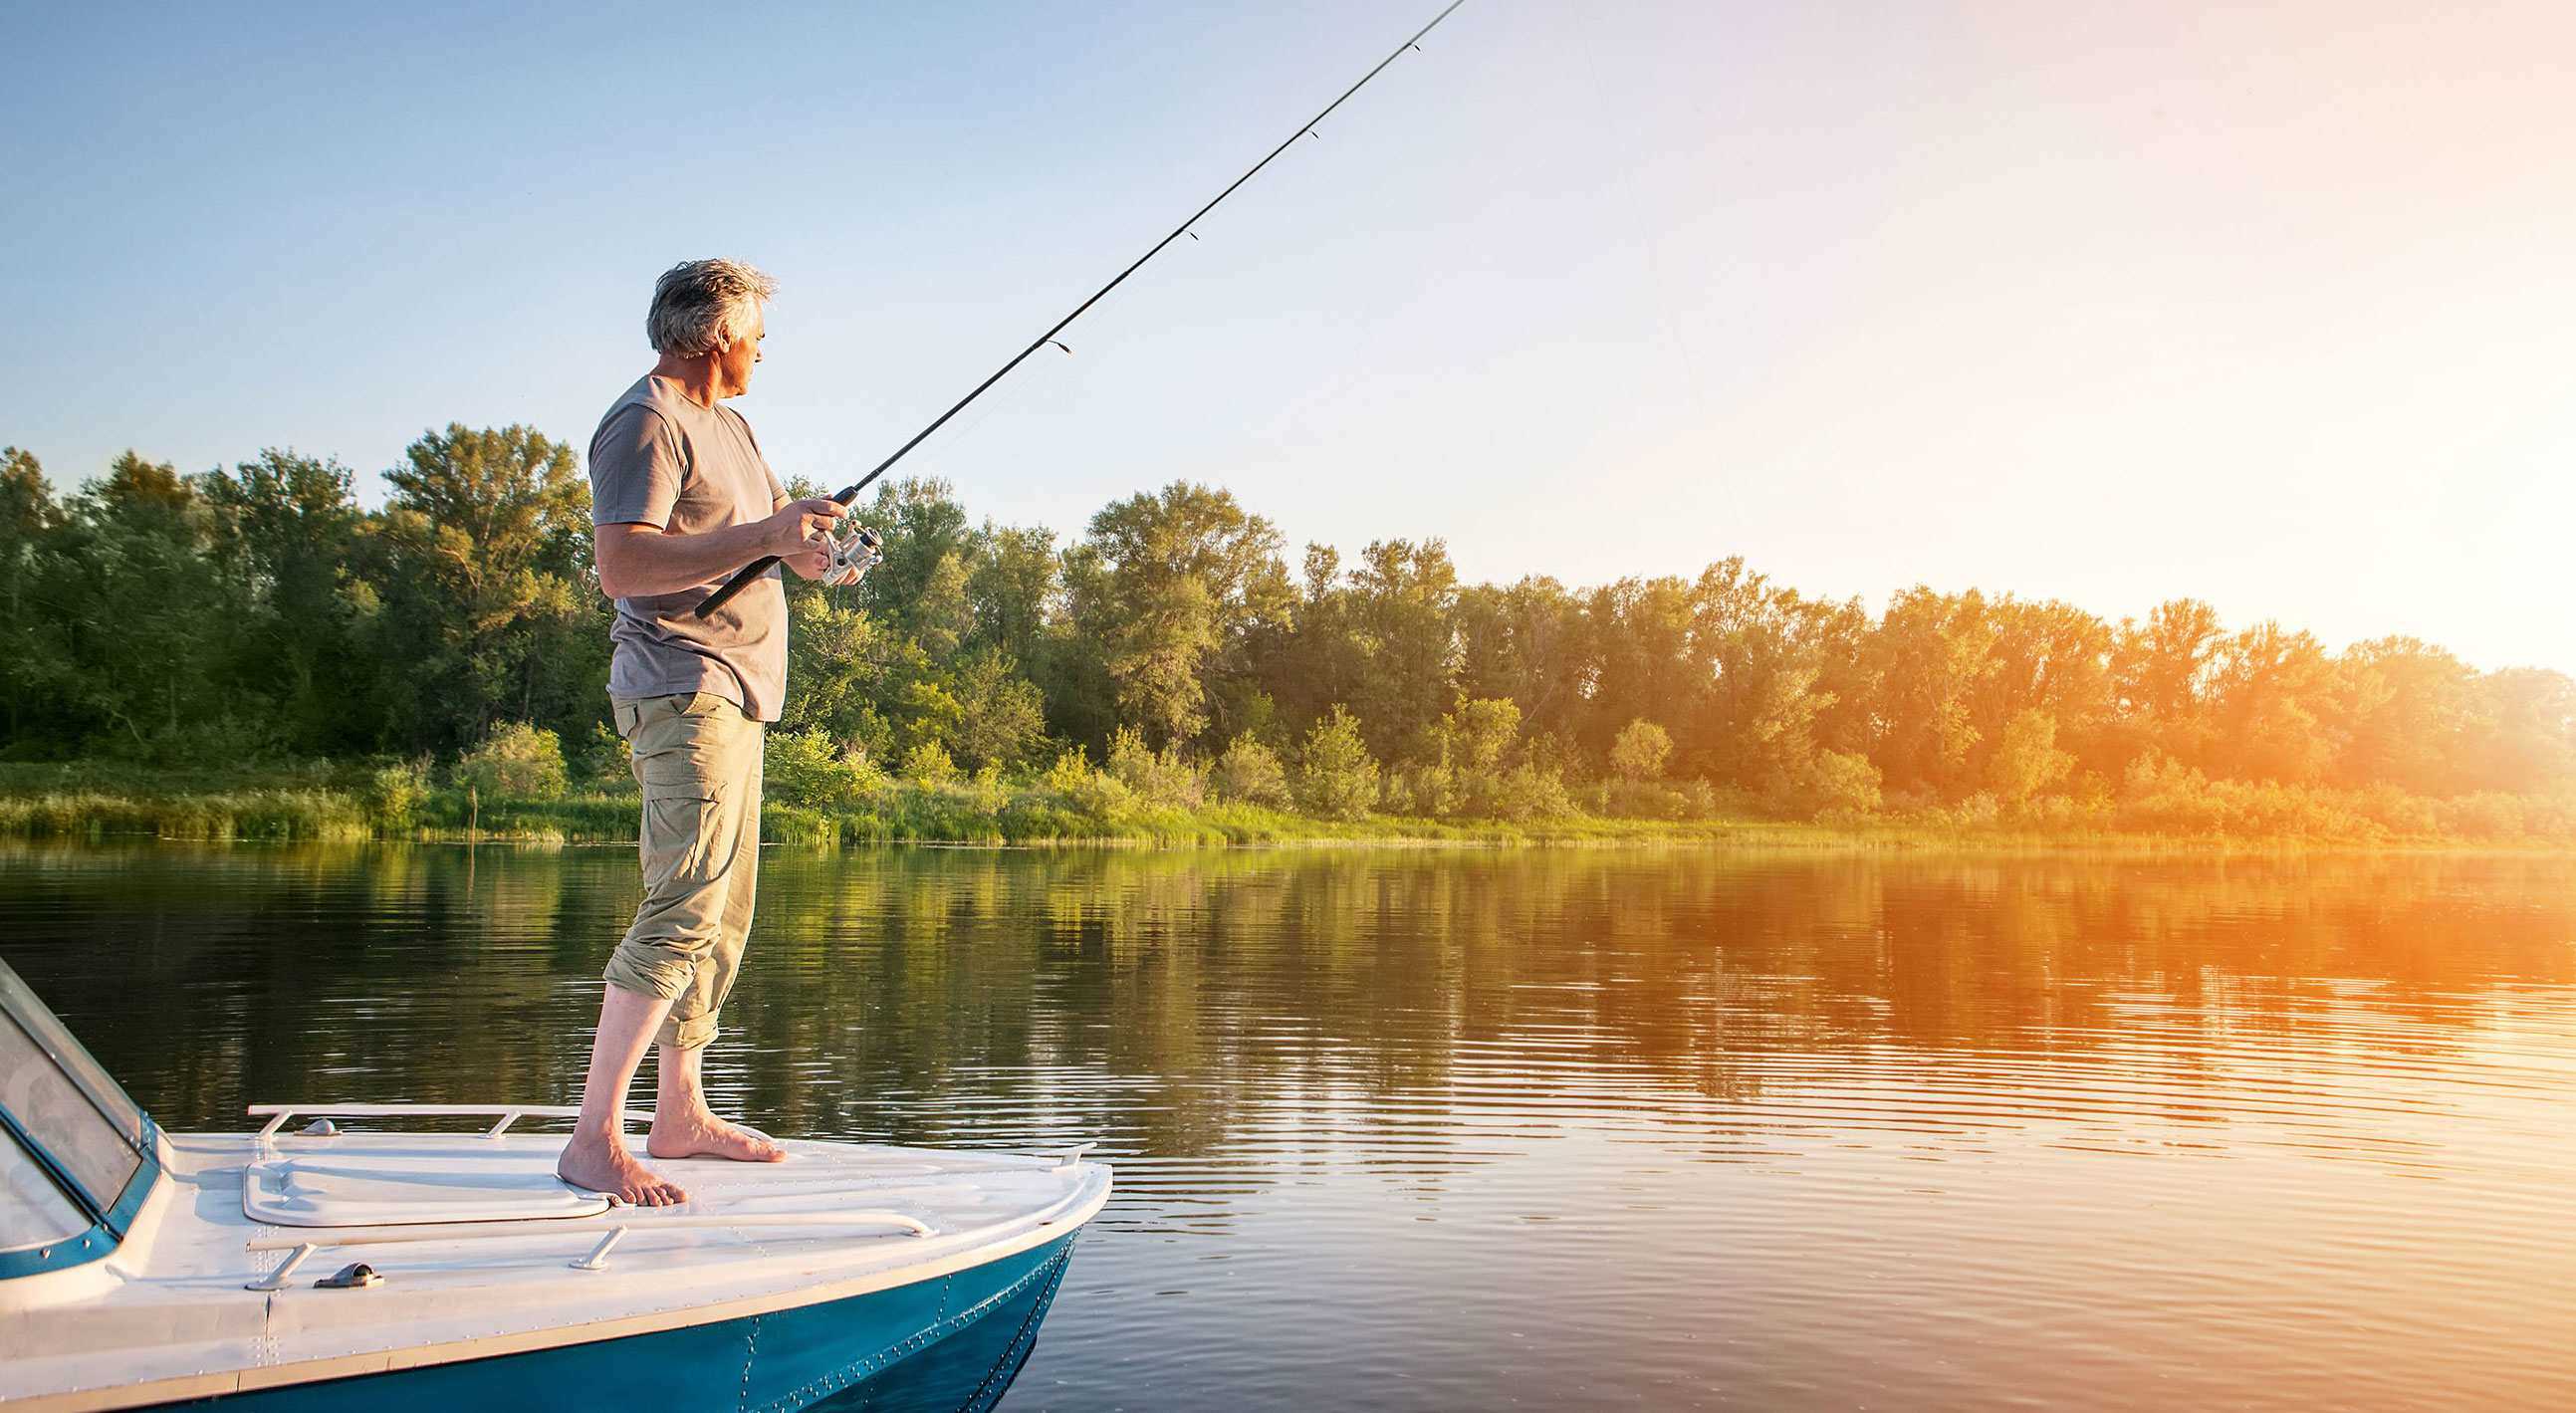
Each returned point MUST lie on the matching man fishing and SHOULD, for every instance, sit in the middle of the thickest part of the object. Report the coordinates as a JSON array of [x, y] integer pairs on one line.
[[680, 498]]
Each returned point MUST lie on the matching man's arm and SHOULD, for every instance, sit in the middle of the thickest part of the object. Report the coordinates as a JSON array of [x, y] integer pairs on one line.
[[641, 560]]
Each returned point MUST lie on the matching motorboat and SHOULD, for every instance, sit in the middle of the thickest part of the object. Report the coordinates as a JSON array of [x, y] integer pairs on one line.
[[398, 1256]]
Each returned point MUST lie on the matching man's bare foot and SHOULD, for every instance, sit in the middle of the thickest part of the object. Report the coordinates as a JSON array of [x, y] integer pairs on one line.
[[703, 1135], [596, 1164]]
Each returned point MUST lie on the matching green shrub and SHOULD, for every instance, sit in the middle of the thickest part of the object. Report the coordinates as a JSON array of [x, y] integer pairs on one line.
[[928, 764], [1090, 794], [1161, 777], [2160, 796], [1834, 784], [1071, 769], [1336, 775], [609, 760], [1530, 792], [1640, 751], [1250, 773], [806, 768], [1633, 798], [392, 794], [1979, 810], [517, 761]]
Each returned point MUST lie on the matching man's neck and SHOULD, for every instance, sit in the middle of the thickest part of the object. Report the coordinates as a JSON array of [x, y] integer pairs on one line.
[[696, 377]]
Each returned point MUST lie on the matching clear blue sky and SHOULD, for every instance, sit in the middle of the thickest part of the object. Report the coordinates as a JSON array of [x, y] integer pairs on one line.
[[2097, 301]]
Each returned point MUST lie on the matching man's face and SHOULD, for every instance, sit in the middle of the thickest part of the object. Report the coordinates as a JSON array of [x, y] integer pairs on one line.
[[733, 362]]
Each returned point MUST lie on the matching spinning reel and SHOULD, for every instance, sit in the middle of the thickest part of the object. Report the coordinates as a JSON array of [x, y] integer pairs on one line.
[[853, 555]]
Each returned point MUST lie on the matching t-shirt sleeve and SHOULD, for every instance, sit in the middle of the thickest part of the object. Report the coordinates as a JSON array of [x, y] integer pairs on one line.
[[635, 470]]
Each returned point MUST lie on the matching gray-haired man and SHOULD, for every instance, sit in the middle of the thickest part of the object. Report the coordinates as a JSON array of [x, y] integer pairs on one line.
[[681, 498]]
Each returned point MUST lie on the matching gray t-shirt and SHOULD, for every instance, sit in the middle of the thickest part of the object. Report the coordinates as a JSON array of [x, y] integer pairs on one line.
[[659, 459]]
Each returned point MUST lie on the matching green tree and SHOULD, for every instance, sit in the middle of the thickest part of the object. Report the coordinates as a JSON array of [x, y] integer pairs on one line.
[[2026, 760], [146, 621], [1480, 733], [1401, 618], [33, 665], [1771, 657], [1645, 658], [491, 610], [1931, 657], [1526, 642], [2523, 736], [2272, 707], [1165, 587], [1001, 720], [2160, 675], [2055, 658], [285, 530], [2411, 708], [919, 591], [1013, 588], [846, 675]]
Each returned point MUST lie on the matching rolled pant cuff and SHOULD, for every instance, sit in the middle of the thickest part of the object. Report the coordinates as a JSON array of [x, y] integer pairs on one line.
[[691, 1033], [647, 972]]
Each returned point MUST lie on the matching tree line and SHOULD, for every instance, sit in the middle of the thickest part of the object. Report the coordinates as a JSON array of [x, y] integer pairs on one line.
[[258, 612]]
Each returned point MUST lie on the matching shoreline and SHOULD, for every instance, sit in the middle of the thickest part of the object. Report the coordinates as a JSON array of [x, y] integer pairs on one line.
[[312, 814]]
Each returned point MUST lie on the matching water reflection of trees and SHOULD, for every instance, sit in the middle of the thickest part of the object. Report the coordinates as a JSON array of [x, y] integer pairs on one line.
[[1191, 1003]]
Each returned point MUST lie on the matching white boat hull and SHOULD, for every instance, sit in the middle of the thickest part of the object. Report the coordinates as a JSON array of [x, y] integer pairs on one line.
[[778, 1286]]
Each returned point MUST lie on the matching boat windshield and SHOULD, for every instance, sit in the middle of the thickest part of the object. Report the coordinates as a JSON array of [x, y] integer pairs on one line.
[[70, 1139]]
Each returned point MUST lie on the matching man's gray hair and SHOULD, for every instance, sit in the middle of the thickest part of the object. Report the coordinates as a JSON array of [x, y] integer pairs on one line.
[[702, 305]]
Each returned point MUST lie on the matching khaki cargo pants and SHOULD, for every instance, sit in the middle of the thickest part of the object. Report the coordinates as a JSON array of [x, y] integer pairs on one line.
[[698, 759]]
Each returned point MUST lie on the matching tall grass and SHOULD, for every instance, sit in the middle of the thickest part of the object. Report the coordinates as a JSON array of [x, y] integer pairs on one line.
[[251, 814]]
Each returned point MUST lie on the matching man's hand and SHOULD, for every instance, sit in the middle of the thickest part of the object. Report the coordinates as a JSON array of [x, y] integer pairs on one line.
[[791, 531], [809, 563]]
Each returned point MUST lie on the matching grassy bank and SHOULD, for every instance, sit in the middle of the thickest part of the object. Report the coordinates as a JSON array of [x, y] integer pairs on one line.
[[343, 803], [355, 802]]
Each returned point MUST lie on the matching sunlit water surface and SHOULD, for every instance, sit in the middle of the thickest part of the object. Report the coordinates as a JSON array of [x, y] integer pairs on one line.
[[1551, 1129]]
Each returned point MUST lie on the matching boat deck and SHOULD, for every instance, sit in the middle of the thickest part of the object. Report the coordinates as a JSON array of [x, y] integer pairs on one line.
[[484, 1253]]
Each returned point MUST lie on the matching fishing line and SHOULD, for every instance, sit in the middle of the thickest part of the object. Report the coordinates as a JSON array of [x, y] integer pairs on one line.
[[743, 578]]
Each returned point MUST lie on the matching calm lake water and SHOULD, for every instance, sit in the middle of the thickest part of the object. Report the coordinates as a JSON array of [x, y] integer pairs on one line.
[[1604, 1128]]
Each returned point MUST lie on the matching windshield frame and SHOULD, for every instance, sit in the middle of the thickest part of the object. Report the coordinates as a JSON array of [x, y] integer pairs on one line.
[[109, 1215]]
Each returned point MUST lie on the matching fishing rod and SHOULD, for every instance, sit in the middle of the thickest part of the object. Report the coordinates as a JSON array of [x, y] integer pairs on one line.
[[743, 578]]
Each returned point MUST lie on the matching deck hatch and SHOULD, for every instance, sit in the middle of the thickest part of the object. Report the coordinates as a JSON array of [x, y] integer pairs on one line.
[[408, 1180]]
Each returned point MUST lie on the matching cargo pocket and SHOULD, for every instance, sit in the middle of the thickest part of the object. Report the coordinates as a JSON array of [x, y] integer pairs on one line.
[[684, 807], [679, 845]]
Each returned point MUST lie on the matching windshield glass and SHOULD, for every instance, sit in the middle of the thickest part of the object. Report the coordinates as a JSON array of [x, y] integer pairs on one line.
[[33, 1211], [62, 1100]]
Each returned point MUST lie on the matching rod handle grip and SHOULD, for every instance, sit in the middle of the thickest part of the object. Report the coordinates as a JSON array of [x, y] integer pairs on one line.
[[741, 580]]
